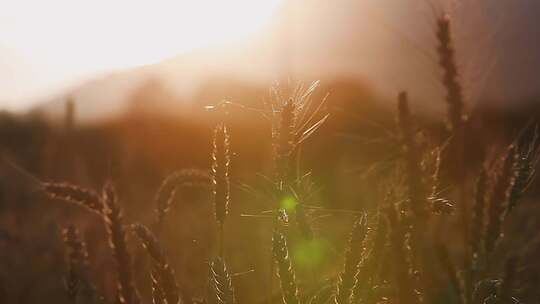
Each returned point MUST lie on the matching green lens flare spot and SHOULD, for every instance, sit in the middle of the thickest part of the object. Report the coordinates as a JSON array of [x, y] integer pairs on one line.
[[288, 203], [310, 253]]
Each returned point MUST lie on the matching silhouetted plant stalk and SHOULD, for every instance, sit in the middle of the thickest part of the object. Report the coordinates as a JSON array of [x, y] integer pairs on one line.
[[220, 178], [221, 282], [77, 259], [447, 61], [163, 277], [127, 293], [284, 269], [353, 256], [456, 123], [417, 191]]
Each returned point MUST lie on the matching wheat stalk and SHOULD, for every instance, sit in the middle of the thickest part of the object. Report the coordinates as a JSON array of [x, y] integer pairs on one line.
[[284, 269], [353, 256], [401, 266], [415, 186], [77, 257], [366, 275], [163, 277], [127, 293]]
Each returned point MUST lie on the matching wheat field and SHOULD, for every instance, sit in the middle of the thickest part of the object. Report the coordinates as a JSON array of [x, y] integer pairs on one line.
[[295, 198]]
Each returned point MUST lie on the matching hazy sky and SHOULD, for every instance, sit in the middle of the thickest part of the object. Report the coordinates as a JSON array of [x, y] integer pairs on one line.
[[48, 45]]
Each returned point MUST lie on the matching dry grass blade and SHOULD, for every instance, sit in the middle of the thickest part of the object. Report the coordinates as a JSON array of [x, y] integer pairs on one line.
[[285, 270], [353, 256], [74, 194], [127, 293], [163, 277], [221, 282]]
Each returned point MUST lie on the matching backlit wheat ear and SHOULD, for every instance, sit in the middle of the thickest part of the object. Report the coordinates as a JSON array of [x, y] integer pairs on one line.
[[447, 61], [220, 178], [163, 199], [499, 198], [74, 194], [221, 282], [77, 257], [417, 193], [353, 256], [284, 268], [163, 277], [220, 172], [285, 143], [127, 293]]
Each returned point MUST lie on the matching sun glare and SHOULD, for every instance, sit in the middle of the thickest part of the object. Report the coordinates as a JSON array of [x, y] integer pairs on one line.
[[50, 42]]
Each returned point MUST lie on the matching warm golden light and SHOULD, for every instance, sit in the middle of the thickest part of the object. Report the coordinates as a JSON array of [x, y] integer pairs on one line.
[[44, 44]]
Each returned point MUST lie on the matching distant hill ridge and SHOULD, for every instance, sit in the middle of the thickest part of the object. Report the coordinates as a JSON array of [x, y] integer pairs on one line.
[[386, 44]]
